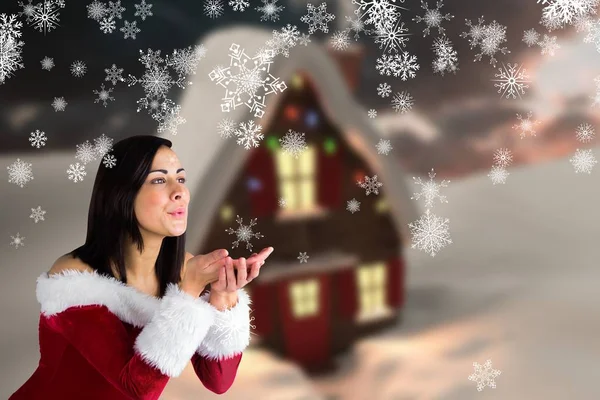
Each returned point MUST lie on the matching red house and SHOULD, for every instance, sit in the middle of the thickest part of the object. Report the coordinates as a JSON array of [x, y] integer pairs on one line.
[[353, 282]]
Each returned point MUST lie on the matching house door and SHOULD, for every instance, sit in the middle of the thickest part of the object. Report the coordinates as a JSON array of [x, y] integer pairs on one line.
[[306, 312]]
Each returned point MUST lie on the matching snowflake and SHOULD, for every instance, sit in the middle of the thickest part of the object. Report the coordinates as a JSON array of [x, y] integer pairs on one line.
[[353, 205], [433, 17], [142, 10], [317, 18], [498, 174], [402, 102], [583, 161], [239, 5], [171, 120], [512, 80], [248, 86], [113, 74], [503, 157], [37, 214], [19, 173], [378, 13], [102, 145], [446, 57], [228, 330], [17, 241], [85, 152], [47, 63], [340, 40], [76, 172], [244, 233], [28, 10], [249, 134], [213, 8], [103, 95], [549, 45], [303, 257], [399, 64], [384, 90], [45, 16], [282, 203], [109, 161], [530, 37], [59, 104], [78, 68], [372, 113], [558, 13], [430, 233], [526, 125], [487, 37], [293, 143], [270, 10], [10, 47], [356, 26], [391, 37], [185, 61], [430, 190], [484, 375], [130, 29], [96, 10], [383, 147], [585, 133], [280, 43], [371, 185], [226, 128], [304, 39], [114, 10], [107, 25], [583, 23], [37, 138]]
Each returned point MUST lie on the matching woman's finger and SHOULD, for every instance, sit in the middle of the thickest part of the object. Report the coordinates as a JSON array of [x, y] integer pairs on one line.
[[231, 280]]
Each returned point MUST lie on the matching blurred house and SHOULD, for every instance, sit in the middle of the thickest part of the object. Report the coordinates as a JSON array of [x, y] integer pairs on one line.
[[353, 283]]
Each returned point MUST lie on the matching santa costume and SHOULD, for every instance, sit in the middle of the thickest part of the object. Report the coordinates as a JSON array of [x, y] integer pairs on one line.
[[102, 339]]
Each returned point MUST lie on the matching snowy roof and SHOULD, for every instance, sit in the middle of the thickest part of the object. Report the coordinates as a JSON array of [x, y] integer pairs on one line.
[[212, 162]]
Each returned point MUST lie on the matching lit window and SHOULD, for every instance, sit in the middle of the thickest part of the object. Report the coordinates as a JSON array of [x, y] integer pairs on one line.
[[226, 213], [305, 298], [297, 180], [371, 280]]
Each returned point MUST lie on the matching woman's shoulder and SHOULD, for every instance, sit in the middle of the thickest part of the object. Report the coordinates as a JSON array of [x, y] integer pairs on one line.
[[68, 262]]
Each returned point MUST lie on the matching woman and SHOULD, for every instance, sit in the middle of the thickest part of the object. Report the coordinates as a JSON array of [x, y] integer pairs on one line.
[[128, 310]]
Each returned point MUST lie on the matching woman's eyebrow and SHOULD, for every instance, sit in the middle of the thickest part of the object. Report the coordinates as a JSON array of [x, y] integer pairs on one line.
[[164, 171]]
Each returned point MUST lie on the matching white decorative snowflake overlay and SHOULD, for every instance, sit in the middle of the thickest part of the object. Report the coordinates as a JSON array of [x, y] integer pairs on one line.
[[430, 190], [244, 233], [384, 146], [484, 375], [37, 214], [430, 233], [498, 174], [17, 241], [249, 135], [293, 143], [583, 161], [353, 205], [526, 125], [512, 80], [19, 173], [303, 257], [371, 185]]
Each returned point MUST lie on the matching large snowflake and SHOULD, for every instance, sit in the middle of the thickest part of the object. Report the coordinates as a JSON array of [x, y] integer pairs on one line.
[[404, 65], [484, 375], [293, 143], [391, 37], [19, 173], [371, 185], [244, 233], [249, 135], [558, 13], [512, 80], [317, 18], [402, 102], [430, 233], [585, 133], [10, 46], [270, 10], [446, 58], [433, 18], [430, 190], [245, 81], [281, 42], [384, 146], [489, 38], [583, 161], [44, 16], [498, 175], [378, 12]]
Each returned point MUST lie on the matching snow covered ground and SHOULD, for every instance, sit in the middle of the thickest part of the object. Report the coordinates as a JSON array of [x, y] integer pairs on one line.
[[519, 286]]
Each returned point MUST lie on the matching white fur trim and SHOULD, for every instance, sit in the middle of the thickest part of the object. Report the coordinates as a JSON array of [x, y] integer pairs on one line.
[[230, 333], [169, 340], [72, 288]]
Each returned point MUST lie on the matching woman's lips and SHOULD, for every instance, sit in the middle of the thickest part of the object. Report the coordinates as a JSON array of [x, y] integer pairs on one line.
[[177, 214]]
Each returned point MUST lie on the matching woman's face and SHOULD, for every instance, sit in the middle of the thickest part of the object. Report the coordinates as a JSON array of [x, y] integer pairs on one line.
[[163, 192]]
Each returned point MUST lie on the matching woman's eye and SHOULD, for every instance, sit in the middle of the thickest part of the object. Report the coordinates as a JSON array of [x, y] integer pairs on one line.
[[162, 179]]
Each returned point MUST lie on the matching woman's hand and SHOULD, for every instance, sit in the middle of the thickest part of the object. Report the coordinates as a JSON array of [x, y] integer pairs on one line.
[[238, 273]]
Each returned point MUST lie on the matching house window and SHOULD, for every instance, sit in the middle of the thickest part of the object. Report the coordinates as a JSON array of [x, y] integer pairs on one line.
[[371, 279], [297, 179], [305, 298]]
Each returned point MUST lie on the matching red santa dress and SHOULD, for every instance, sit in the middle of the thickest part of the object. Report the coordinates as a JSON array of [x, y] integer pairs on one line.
[[102, 339]]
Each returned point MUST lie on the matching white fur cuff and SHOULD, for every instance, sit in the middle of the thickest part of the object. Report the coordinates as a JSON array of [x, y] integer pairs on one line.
[[230, 333], [169, 340]]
